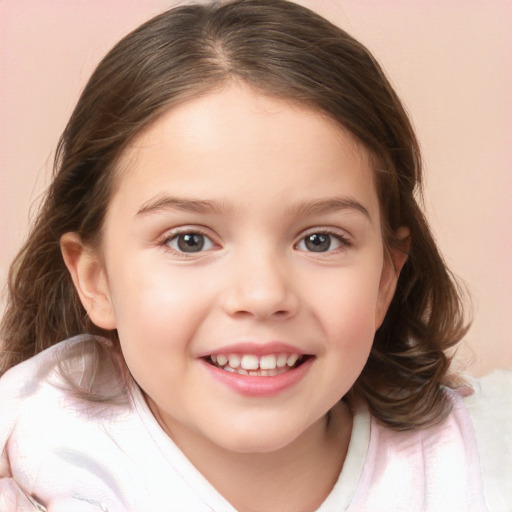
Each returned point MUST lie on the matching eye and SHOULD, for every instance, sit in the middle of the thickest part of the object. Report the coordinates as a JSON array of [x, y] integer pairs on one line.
[[321, 242], [190, 242]]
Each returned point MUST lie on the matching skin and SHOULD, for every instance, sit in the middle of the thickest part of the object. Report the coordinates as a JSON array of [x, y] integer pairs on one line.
[[260, 160]]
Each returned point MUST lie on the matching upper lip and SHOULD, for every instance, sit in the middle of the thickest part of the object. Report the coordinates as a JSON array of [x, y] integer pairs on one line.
[[259, 349]]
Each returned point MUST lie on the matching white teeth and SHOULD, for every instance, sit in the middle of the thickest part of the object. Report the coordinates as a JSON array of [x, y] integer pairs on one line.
[[292, 360], [234, 360], [249, 362], [281, 360], [268, 362]]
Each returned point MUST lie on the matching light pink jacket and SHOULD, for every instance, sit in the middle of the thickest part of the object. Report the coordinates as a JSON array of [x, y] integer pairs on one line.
[[63, 454]]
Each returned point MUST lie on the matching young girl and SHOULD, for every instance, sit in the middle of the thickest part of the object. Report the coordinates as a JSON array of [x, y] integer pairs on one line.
[[255, 315]]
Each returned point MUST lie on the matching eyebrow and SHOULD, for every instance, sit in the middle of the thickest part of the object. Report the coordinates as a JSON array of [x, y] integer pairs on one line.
[[330, 205], [164, 203], [204, 206]]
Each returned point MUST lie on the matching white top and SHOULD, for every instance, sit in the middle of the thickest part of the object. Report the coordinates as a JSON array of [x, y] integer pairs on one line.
[[73, 456]]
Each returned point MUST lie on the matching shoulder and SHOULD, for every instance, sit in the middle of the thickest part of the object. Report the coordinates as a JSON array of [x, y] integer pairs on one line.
[[490, 393], [48, 433], [490, 409], [27, 379], [20, 388], [460, 464], [33, 392], [23, 383]]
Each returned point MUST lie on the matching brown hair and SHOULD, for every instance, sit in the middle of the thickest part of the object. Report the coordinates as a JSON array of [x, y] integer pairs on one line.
[[287, 51]]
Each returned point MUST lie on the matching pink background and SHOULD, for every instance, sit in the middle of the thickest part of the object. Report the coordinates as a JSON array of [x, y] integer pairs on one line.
[[449, 61]]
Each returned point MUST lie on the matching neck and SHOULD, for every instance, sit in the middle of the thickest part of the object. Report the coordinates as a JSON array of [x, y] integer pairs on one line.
[[297, 477]]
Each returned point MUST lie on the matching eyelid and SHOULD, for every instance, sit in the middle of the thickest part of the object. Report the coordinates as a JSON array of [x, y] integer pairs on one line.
[[172, 233], [341, 235], [327, 230]]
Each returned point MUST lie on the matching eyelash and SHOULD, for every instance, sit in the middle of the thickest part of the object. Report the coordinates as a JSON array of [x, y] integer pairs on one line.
[[170, 236], [344, 241]]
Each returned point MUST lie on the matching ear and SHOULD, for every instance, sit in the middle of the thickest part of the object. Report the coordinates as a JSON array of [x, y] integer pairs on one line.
[[394, 260], [90, 280]]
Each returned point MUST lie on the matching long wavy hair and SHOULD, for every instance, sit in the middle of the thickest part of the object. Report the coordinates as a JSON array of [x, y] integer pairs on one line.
[[280, 49]]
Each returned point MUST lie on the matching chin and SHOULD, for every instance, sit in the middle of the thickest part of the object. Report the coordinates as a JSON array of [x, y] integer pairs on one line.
[[259, 439]]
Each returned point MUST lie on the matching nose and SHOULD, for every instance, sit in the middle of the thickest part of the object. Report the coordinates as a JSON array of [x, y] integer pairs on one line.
[[260, 286]]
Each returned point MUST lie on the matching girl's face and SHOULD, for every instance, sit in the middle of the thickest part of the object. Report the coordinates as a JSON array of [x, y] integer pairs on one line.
[[243, 267]]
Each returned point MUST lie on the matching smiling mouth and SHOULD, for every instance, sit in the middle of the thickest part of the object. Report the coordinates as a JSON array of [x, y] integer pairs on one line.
[[252, 365]]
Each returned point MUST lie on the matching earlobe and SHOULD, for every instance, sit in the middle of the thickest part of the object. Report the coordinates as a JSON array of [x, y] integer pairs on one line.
[[394, 261], [90, 280]]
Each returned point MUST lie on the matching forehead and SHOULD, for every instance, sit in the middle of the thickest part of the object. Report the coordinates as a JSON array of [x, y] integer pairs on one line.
[[239, 145]]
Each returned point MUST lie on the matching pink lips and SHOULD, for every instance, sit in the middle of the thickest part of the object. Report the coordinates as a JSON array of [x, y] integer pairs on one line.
[[257, 386]]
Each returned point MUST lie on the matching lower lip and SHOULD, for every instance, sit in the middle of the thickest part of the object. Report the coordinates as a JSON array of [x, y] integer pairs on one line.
[[259, 386]]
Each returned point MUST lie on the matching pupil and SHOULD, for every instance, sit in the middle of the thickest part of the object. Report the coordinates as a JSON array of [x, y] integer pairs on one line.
[[191, 242], [318, 242]]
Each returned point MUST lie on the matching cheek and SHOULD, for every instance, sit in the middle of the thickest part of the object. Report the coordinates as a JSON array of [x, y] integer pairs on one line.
[[349, 300], [351, 335], [348, 320], [156, 306], [157, 313], [346, 310]]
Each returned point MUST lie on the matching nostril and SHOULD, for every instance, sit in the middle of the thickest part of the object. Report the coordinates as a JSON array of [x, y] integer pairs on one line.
[[261, 313]]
